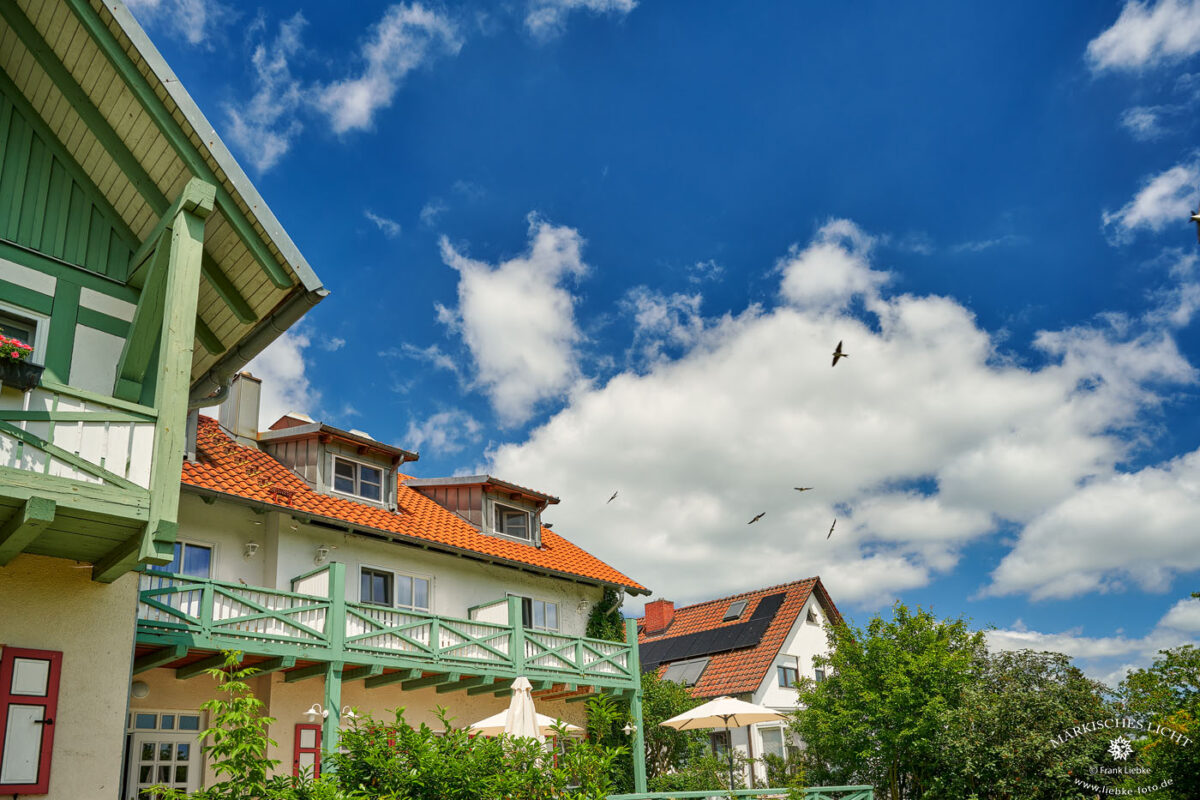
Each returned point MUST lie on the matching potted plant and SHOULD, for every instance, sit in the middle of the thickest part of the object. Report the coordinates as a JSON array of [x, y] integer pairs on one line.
[[16, 370]]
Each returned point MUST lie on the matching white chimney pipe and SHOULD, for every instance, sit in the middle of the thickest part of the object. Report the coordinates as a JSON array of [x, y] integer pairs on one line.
[[239, 412]]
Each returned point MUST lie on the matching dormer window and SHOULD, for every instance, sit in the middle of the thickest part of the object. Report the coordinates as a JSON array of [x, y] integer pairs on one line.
[[360, 480], [512, 522]]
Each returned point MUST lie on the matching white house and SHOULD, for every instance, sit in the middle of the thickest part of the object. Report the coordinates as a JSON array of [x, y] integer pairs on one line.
[[350, 584], [752, 646]]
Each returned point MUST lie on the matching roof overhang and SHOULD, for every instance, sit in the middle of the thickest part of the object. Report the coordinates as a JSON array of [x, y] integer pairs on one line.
[[488, 483], [319, 429]]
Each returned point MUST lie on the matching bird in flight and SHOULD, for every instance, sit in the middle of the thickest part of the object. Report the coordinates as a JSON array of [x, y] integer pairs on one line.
[[614, 497], [803, 488], [837, 353], [831, 527], [757, 517]]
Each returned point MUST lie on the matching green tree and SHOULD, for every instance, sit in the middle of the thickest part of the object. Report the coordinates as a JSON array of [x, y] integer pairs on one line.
[[1167, 693], [997, 743], [878, 715]]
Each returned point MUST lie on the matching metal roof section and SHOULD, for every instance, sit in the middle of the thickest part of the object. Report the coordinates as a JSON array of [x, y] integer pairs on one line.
[[357, 438], [487, 481]]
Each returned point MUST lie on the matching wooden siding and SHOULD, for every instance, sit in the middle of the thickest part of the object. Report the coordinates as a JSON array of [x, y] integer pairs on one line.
[[300, 456], [47, 205], [466, 501]]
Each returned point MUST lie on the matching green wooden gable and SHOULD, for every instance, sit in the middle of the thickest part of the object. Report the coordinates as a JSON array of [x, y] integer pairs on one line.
[[46, 203]]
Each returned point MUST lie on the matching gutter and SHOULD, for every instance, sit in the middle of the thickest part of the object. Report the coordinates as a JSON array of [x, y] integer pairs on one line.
[[391, 536], [210, 387]]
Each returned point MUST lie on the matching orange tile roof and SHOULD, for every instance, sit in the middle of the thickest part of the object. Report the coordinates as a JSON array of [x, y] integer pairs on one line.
[[740, 671], [222, 465]]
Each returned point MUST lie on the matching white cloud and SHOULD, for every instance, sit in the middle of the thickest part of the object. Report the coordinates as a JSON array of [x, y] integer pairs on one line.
[[662, 322], [445, 432], [980, 245], [1148, 34], [702, 271], [518, 320], [332, 344], [431, 211], [1164, 199], [194, 21], [925, 439], [546, 19], [285, 384], [405, 38], [389, 227], [1144, 123], [1108, 658], [264, 127]]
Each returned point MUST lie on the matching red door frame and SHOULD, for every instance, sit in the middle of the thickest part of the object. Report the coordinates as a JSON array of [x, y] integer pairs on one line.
[[297, 750], [49, 703]]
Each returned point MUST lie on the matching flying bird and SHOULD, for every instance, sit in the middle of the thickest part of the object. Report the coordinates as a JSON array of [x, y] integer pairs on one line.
[[759, 516], [831, 527], [837, 353], [803, 488], [614, 497]]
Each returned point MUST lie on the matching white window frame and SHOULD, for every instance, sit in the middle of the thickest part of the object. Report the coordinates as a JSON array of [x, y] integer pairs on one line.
[[783, 740], [383, 478], [532, 600], [395, 588], [498, 506], [41, 328]]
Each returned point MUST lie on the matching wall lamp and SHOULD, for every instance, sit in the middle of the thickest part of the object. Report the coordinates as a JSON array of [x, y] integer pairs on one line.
[[630, 729], [323, 713], [250, 550]]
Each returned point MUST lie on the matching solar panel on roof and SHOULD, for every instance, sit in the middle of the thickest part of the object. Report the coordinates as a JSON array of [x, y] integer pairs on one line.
[[717, 640]]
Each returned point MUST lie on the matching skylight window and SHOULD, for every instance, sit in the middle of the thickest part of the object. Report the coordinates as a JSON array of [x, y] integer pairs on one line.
[[735, 610], [686, 673]]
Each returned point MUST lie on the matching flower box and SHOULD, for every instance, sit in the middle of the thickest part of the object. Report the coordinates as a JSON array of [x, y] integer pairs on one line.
[[19, 374]]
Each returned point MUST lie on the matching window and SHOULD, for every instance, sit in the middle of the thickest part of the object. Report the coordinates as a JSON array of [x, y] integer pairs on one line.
[[813, 617], [18, 328], [719, 742], [361, 480], [376, 587], [772, 741], [819, 673], [190, 559], [512, 522], [539, 615], [30, 328], [28, 705], [734, 611], [412, 592], [788, 677], [686, 673]]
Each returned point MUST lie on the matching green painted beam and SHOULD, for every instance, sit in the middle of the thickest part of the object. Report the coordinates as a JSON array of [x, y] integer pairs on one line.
[[225, 289], [66, 456], [24, 525], [126, 555], [196, 197], [208, 340], [391, 677], [274, 665], [113, 144], [432, 680], [361, 673], [88, 498], [157, 658], [465, 683], [153, 106], [304, 673], [491, 687], [200, 667]]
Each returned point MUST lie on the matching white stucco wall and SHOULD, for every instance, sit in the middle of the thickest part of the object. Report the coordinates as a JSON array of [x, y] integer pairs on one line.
[[52, 604], [457, 583]]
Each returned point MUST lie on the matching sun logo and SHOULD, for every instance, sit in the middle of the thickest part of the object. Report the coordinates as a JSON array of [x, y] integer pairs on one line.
[[1120, 748]]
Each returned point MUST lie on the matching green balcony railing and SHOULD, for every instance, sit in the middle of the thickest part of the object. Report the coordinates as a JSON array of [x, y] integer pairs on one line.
[[211, 614], [811, 793]]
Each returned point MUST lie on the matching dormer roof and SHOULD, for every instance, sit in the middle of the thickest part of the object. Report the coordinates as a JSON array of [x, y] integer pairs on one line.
[[294, 426], [489, 483]]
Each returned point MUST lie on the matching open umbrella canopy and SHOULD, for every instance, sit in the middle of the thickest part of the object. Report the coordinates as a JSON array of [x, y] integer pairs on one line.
[[494, 725], [723, 712], [521, 718]]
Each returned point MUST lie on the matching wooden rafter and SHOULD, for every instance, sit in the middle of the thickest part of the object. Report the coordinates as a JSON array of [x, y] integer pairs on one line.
[[391, 677], [157, 658], [24, 525]]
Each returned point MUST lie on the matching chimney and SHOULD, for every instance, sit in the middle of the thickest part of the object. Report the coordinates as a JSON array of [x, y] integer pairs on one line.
[[659, 614], [239, 412]]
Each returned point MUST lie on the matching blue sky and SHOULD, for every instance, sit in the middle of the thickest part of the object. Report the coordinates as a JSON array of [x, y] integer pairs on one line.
[[600, 245]]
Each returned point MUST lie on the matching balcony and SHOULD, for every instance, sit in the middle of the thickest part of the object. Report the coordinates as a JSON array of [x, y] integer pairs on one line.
[[75, 473], [299, 631]]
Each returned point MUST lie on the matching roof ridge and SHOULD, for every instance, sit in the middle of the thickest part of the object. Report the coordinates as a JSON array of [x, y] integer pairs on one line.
[[739, 595]]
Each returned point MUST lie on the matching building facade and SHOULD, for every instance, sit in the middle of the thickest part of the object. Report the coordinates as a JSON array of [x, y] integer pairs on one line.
[[354, 587], [143, 270], [753, 646]]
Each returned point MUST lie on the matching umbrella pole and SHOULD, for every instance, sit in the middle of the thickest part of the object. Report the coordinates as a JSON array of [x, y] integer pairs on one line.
[[730, 755]]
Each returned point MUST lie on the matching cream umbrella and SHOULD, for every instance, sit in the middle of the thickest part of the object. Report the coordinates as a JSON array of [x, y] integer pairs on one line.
[[521, 718], [494, 725], [723, 712]]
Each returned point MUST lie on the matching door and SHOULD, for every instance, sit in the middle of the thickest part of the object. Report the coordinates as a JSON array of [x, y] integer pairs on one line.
[[162, 759]]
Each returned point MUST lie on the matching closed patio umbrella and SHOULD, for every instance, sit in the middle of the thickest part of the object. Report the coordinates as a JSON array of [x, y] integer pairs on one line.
[[723, 712], [521, 718]]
